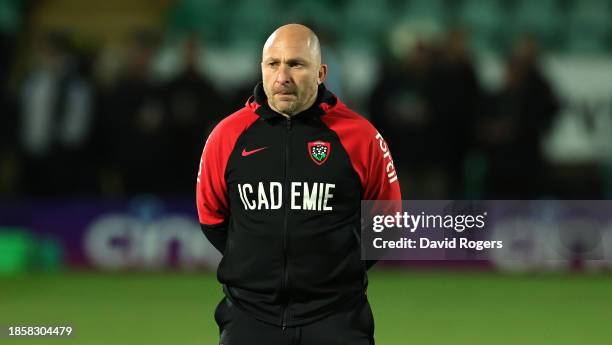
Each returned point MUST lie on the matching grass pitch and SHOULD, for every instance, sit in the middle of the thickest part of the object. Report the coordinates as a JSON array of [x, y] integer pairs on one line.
[[410, 307]]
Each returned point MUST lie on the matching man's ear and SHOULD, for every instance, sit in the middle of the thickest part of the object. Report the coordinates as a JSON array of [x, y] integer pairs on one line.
[[322, 74]]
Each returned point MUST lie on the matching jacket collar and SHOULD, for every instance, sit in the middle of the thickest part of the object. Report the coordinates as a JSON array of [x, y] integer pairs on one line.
[[258, 102]]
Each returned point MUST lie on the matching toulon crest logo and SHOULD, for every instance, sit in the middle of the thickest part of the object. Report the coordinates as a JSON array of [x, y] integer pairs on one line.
[[319, 151]]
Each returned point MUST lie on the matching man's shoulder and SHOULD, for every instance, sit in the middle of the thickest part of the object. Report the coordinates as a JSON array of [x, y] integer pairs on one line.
[[236, 122], [341, 118]]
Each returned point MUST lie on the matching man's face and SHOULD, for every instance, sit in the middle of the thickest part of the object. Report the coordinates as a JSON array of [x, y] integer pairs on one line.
[[291, 74]]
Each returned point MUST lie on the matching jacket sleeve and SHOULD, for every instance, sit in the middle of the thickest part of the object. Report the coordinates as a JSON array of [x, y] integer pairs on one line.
[[211, 191], [212, 196], [217, 236], [381, 182]]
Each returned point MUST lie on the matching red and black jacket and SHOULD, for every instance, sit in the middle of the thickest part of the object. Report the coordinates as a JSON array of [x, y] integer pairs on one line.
[[280, 197]]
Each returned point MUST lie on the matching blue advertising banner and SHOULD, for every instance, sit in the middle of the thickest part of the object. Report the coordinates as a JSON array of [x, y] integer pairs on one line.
[[141, 233], [150, 233]]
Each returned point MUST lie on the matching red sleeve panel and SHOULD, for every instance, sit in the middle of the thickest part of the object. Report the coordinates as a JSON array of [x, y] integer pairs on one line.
[[368, 152], [211, 189]]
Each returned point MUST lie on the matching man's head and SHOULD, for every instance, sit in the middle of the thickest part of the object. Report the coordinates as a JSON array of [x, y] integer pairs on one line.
[[291, 69]]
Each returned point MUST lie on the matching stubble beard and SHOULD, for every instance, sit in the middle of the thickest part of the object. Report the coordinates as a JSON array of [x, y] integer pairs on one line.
[[289, 109], [293, 107]]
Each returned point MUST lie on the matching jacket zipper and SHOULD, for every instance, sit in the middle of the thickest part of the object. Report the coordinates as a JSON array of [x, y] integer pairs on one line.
[[285, 281]]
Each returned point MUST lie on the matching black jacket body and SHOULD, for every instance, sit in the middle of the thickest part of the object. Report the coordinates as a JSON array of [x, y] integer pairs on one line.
[[280, 197]]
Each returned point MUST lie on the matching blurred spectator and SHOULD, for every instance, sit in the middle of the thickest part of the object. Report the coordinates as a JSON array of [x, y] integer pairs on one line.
[[401, 106], [331, 56], [522, 113], [193, 108], [8, 119], [456, 97], [147, 136], [55, 121], [134, 126]]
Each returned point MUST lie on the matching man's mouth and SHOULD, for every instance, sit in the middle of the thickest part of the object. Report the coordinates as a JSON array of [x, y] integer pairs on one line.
[[285, 95]]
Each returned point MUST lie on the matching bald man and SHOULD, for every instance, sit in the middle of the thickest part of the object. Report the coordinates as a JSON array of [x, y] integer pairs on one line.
[[278, 194]]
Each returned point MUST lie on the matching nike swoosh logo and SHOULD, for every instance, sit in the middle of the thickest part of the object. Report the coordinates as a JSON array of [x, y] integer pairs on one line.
[[248, 153]]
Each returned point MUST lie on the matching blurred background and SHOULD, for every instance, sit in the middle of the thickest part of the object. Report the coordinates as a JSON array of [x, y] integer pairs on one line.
[[105, 107]]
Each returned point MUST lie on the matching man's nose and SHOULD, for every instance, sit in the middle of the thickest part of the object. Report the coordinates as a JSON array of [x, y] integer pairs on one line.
[[283, 76]]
